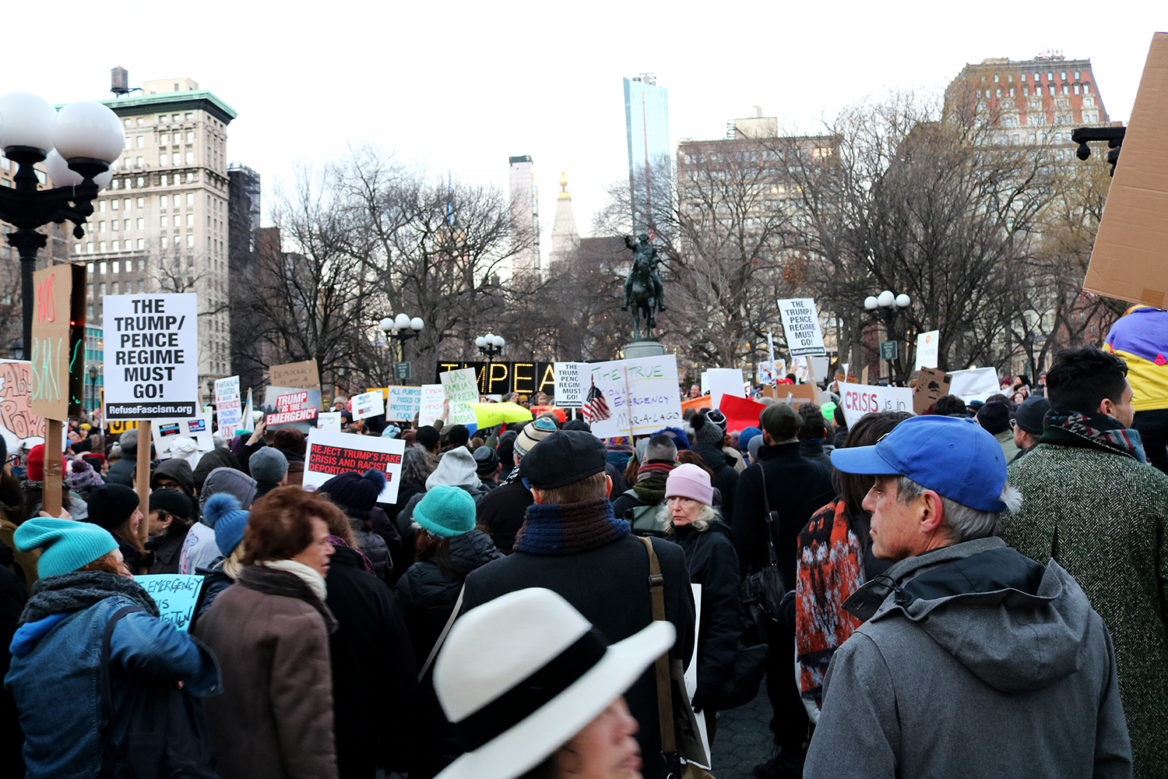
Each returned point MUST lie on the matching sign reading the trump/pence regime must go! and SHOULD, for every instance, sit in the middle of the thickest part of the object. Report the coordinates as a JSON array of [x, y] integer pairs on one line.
[[151, 356], [801, 325], [330, 454]]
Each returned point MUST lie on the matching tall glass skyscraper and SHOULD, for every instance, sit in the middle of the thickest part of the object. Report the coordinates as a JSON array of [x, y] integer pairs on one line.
[[647, 130]]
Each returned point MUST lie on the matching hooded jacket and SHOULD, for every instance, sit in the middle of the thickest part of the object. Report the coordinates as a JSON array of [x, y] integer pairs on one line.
[[974, 660], [199, 549]]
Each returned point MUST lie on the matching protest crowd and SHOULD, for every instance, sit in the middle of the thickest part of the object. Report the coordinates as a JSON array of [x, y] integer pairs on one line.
[[979, 588]]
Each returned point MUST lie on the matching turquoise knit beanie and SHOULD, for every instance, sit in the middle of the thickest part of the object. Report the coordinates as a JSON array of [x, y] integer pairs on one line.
[[65, 545], [446, 511]]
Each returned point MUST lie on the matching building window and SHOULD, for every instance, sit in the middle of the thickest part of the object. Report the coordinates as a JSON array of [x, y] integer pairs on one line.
[[164, 221], [997, 93], [190, 198], [101, 247], [162, 139], [163, 159], [1077, 76], [190, 241], [1051, 88], [1021, 76], [101, 206], [1076, 89], [140, 244], [141, 285], [114, 204], [1037, 78], [113, 287], [125, 224], [190, 136], [1063, 76], [1049, 76], [1066, 89], [137, 162], [190, 158], [190, 220], [115, 266], [101, 288], [1011, 91], [1086, 89], [177, 240], [163, 201], [141, 223], [995, 78]]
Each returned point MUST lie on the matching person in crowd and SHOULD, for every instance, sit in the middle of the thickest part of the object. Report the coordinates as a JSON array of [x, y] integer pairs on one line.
[[794, 488], [487, 466], [357, 494], [200, 550], [501, 511], [1140, 339], [812, 434], [833, 559], [13, 597], [84, 598], [373, 666], [416, 468], [212, 461], [949, 406], [648, 492], [453, 437], [566, 714], [960, 617], [115, 508], [269, 467], [186, 449], [167, 525], [506, 451], [994, 417], [571, 543], [32, 487], [1091, 504], [430, 440], [709, 437], [1028, 424], [176, 474], [291, 443], [270, 631], [229, 520], [81, 478], [619, 483], [841, 426], [710, 558], [122, 470]]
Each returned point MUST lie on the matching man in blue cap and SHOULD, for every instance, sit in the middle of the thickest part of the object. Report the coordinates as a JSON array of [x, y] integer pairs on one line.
[[972, 657]]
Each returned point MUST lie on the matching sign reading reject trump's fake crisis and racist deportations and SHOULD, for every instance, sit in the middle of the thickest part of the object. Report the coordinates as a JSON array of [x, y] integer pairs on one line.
[[151, 356], [331, 454]]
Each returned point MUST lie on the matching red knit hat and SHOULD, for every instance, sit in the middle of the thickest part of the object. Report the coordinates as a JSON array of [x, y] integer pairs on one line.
[[36, 463]]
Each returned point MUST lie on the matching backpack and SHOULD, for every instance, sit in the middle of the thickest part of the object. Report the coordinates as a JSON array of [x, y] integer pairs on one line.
[[644, 517]]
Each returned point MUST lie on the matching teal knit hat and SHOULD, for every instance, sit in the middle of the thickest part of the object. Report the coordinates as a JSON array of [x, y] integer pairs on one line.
[[65, 545], [446, 511]]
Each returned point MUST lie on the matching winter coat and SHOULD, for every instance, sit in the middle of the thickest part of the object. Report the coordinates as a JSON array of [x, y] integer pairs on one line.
[[165, 550], [796, 489], [1104, 517], [725, 477], [55, 660], [1013, 644], [122, 471], [812, 449], [275, 717], [1005, 440], [405, 491], [378, 539], [405, 521], [13, 596], [502, 511], [373, 667]]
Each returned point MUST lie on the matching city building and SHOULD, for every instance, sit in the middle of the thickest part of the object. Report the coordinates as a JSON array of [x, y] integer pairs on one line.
[[524, 216], [243, 237], [94, 378], [647, 134], [565, 237], [162, 224]]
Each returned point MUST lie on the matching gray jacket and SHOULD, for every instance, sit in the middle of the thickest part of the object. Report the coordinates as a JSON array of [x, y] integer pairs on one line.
[[974, 661]]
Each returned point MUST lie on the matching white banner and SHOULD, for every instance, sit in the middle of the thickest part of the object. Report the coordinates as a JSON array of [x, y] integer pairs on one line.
[[801, 325], [403, 403], [151, 356], [460, 387], [860, 399], [331, 454], [927, 349], [639, 395], [571, 388], [368, 404], [975, 384]]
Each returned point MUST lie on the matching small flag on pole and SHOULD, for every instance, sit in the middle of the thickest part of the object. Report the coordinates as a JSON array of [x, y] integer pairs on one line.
[[596, 407]]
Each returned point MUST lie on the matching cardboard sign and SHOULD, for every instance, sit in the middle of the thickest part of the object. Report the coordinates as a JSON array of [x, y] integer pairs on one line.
[[430, 406], [331, 454], [291, 407], [570, 388], [228, 406], [151, 356], [18, 424], [801, 325], [402, 404], [176, 595], [795, 394], [51, 358], [724, 381], [295, 374], [858, 400], [461, 388], [165, 431], [641, 395], [931, 385], [1130, 257], [368, 404], [975, 384], [927, 344]]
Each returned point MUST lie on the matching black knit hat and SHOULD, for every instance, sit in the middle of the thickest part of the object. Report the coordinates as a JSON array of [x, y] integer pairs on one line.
[[172, 502], [994, 417], [564, 457], [112, 505], [486, 461], [1030, 414], [354, 491]]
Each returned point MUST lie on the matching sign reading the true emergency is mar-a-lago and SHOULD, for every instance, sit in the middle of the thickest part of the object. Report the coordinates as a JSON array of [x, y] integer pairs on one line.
[[151, 356]]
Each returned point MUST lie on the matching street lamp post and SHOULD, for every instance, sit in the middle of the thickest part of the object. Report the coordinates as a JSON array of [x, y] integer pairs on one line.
[[92, 388], [887, 305], [490, 345], [400, 329], [77, 145]]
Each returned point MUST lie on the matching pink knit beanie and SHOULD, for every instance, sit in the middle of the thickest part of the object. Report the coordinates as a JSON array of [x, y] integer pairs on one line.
[[689, 481]]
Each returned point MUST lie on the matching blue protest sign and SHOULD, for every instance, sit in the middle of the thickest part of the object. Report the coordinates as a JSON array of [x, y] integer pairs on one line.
[[176, 595]]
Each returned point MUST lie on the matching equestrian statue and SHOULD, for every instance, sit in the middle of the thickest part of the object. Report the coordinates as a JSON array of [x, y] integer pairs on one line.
[[643, 291]]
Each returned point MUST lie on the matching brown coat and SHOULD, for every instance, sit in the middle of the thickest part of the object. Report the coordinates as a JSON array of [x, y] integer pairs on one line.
[[275, 716]]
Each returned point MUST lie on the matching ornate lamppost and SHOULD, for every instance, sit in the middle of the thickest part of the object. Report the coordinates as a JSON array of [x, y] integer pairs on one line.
[[886, 306]]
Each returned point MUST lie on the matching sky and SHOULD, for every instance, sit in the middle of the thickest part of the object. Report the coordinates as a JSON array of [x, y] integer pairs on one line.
[[458, 87]]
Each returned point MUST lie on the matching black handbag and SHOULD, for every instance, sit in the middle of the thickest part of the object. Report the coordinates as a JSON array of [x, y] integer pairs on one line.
[[763, 590], [745, 677]]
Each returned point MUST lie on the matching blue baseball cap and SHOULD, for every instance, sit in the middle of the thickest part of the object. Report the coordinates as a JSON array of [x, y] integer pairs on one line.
[[955, 457]]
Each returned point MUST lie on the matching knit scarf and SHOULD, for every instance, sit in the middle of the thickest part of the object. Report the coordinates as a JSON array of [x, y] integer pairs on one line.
[[1092, 430], [308, 575], [651, 477], [569, 528], [79, 590], [276, 577]]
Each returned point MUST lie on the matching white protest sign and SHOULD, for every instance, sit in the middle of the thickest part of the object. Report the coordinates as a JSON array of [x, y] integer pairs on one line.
[[460, 387], [403, 403], [974, 384], [151, 356], [368, 404], [927, 349], [860, 399], [330, 420], [165, 431], [571, 388], [704, 383], [801, 325], [228, 407], [430, 406], [330, 454], [641, 395], [724, 381]]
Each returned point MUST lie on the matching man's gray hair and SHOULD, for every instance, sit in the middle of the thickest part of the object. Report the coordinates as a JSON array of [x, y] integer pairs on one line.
[[661, 447], [964, 523]]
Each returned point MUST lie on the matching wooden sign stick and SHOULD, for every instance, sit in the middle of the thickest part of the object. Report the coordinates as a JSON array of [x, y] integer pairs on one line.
[[51, 496], [142, 477]]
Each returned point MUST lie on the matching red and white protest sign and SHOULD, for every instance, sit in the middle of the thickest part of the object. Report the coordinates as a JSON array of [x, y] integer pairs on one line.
[[330, 454]]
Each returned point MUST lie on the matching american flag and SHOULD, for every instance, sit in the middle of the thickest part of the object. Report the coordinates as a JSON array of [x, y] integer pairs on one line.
[[596, 407]]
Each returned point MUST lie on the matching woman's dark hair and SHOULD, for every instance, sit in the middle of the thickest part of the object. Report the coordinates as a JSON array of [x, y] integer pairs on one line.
[[948, 405], [279, 526], [631, 468], [435, 549], [1081, 378], [122, 533], [852, 487]]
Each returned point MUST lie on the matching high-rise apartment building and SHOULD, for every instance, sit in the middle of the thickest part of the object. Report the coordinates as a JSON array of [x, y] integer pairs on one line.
[[647, 134], [243, 234], [565, 237], [524, 215], [162, 224]]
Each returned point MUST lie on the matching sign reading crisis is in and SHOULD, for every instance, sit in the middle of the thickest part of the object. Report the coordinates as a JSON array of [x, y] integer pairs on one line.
[[526, 378], [331, 454], [151, 356], [860, 399]]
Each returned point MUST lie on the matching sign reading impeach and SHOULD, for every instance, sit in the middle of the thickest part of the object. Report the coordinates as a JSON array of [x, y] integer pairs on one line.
[[526, 378]]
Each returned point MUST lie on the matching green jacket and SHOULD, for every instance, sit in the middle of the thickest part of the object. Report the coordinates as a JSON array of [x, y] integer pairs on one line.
[[1103, 516]]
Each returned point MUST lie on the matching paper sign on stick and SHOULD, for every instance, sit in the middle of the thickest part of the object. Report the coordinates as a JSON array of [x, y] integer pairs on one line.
[[430, 406], [330, 421], [176, 595], [291, 407], [570, 385], [641, 395], [859, 399], [165, 431], [295, 374], [461, 388], [368, 404], [801, 325], [17, 422], [331, 454], [228, 407], [927, 344], [51, 360], [151, 356], [403, 403]]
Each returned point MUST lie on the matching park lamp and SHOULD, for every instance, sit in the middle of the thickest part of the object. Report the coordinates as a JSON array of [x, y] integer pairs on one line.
[[490, 345]]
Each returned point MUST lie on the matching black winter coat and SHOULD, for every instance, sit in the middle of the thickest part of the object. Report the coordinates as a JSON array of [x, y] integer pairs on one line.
[[502, 512], [725, 477], [812, 449], [796, 487], [374, 671], [122, 472]]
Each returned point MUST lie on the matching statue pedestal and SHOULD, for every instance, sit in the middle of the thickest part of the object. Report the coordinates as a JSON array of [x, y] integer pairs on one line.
[[643, 347]]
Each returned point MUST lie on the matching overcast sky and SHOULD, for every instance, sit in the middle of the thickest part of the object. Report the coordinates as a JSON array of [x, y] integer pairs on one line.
[[460, 86]]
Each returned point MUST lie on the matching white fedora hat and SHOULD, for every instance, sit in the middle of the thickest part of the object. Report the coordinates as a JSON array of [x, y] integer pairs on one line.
[[522, 674]]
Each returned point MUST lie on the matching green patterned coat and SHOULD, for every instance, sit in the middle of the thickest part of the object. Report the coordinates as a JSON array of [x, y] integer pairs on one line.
[[1104, 517]]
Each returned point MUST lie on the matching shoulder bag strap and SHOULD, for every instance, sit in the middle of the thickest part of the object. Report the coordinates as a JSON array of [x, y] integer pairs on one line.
[[103, 672], [661, 666], [772, 555], [442, 636]]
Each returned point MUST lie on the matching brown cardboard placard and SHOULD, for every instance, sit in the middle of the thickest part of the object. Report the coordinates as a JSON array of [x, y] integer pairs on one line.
[[804, 393], [50, 342], [1130, 257], [299, 375], [930, 385]]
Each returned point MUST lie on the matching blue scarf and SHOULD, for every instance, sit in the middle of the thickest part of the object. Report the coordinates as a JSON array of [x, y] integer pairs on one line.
[[569, 528]]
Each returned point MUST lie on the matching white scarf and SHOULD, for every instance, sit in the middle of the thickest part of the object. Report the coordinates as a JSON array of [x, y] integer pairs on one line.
[[308, 575]]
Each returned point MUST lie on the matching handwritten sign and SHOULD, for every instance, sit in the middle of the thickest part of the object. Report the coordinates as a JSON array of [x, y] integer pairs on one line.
[[801, 326], [860, 399], [368, 404], [331, 454], [295, 374], [430, 406], [51, 358], [291, 407], [461, 388], [641, 395], [18, 423], [571, 388], [403, 403], [329, 421], [228, 406], [151, 356], [176, 595]]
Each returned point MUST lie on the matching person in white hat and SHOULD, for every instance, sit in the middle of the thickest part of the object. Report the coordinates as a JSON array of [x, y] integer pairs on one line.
[[535, 690]]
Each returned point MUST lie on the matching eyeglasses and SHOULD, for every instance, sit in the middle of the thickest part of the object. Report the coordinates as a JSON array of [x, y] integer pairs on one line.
[[1013, 424]]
